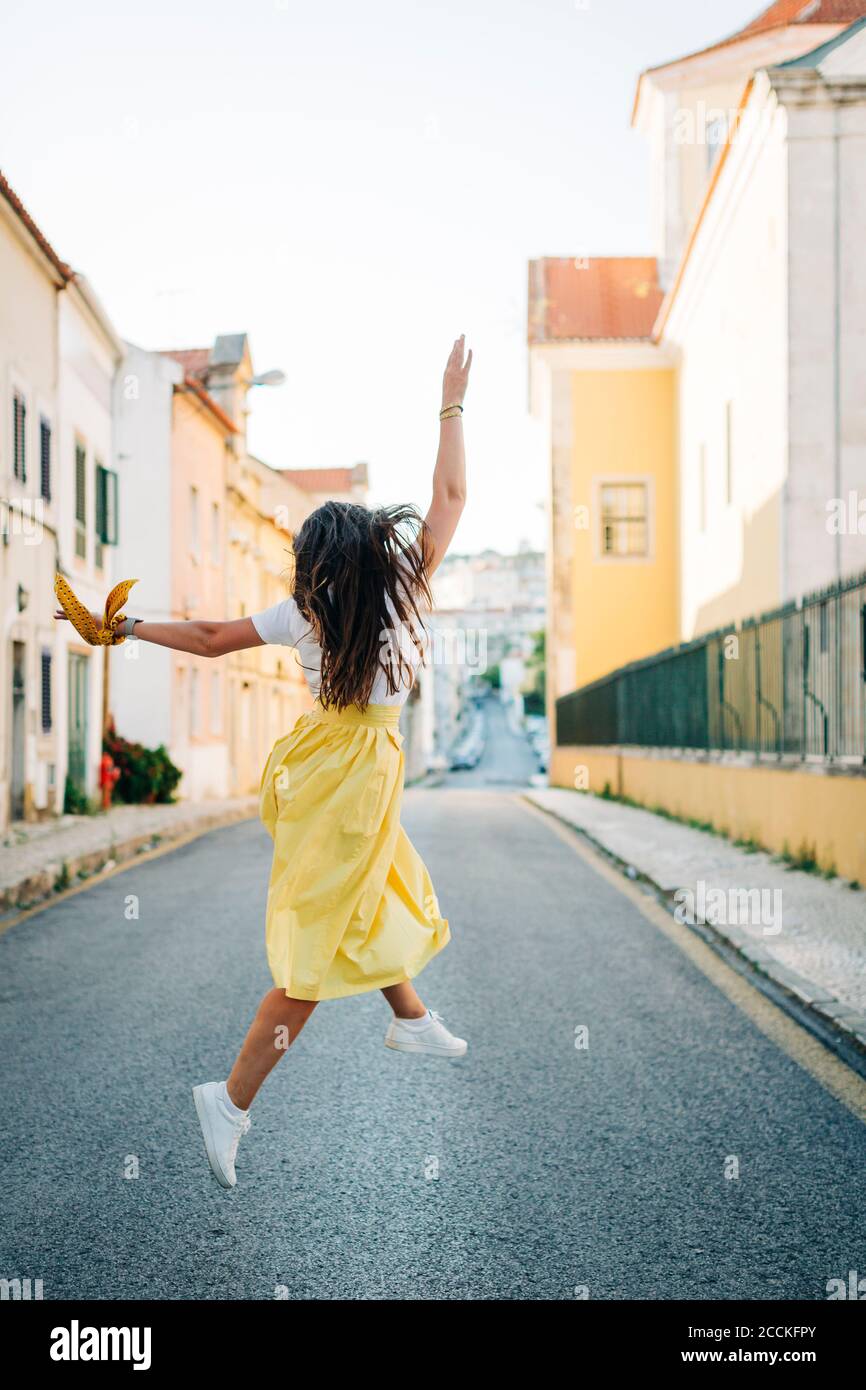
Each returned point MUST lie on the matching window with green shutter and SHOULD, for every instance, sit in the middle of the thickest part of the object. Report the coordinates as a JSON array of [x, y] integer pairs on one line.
[[19, 437], [80, 501], [98, 557], [106, 505], [46, 692], [45, 458]]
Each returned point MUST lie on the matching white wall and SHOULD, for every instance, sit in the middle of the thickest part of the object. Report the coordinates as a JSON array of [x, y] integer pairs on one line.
[[770, 316], [676, 104], [141, 682], [87, 367], [729, 323], [28, 364], [827, 306]]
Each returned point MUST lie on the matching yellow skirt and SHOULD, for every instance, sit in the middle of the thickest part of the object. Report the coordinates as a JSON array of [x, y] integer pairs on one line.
[[351, 906]]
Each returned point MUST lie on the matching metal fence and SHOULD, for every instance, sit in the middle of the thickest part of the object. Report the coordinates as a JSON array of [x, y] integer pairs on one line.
[[791, 683]]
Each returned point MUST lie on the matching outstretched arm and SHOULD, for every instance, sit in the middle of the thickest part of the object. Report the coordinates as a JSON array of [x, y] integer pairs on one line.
[[200, 638], [449, 475]]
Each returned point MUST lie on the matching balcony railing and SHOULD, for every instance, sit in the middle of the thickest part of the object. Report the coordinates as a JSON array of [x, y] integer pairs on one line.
[[791, 683]]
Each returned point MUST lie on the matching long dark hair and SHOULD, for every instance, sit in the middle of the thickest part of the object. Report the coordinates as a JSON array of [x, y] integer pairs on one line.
[[347, 561]]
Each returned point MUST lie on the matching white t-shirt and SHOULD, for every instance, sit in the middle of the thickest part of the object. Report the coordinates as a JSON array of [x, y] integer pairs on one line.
[[283, 624]]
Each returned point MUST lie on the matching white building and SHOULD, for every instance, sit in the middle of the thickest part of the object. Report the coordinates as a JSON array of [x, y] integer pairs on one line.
[[89, 353], [31, 276], [141, 688], [488, 608], [490, 580], [759, 193], [58, 354]]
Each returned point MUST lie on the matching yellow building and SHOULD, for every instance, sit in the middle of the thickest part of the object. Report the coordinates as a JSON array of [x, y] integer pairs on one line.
[[267, 690], [264, 687], [606, 393], [201, 452]]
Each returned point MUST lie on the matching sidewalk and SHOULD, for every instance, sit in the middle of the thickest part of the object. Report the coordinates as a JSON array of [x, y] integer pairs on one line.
[[805, 933], [38, 858]]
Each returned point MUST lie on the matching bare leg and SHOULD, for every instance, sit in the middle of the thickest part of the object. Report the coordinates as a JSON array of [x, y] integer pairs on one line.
[[273, 1030], [404, 1001]]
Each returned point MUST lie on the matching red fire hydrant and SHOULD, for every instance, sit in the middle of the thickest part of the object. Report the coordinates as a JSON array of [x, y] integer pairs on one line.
[[108, 775]]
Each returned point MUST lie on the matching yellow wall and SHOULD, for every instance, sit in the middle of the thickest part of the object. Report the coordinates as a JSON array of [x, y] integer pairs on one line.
[[267, 690], [782, 809], [623, 427]]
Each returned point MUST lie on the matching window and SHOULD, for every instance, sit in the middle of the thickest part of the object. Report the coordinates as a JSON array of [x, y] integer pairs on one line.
[[106, 511], [194, 533], [215, 533], [19, 437], [80, 501], [215, 703], [624, 520], [46, 692], [729, 452], [98, 543], [45, 458], [106, 505], [193, 704]]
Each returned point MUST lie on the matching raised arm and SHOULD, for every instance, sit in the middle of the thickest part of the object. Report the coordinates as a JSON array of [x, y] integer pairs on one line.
[[449, 475]]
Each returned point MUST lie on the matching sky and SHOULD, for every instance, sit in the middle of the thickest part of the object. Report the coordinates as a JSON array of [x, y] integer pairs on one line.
[[353, 186]]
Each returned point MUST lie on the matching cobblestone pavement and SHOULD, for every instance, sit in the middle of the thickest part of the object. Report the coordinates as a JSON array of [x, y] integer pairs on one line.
[[823, 922]]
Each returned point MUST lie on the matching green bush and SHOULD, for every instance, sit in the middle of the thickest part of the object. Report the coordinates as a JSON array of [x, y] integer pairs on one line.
[[75, 802], [147, 775]]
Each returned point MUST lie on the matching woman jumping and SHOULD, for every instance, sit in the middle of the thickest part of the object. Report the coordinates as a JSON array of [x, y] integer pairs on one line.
[[351, 906]]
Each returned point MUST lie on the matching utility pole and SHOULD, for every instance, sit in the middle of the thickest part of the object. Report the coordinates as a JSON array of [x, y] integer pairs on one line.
[[106, 706]]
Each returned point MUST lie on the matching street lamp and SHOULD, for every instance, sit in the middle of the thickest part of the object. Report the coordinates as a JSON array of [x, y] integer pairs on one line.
[[276, 377]]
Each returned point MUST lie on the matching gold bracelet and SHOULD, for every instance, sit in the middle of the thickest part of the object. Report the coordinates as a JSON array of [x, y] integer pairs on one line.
[[449, 411]]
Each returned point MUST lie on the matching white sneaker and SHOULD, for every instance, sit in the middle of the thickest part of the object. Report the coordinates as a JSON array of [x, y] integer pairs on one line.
[[222, 1131], [433, 1038]]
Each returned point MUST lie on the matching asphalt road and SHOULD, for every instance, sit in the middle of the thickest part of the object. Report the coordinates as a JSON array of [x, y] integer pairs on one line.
[[527, 1170], [507, 760]]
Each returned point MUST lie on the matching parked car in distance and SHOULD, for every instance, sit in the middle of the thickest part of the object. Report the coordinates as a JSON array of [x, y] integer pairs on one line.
[[463, 759], [468, 749], [539, 739]]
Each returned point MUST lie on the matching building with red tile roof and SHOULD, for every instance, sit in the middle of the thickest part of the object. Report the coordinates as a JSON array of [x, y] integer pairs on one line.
[[598, 297], [64, 272], [348, 484]]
